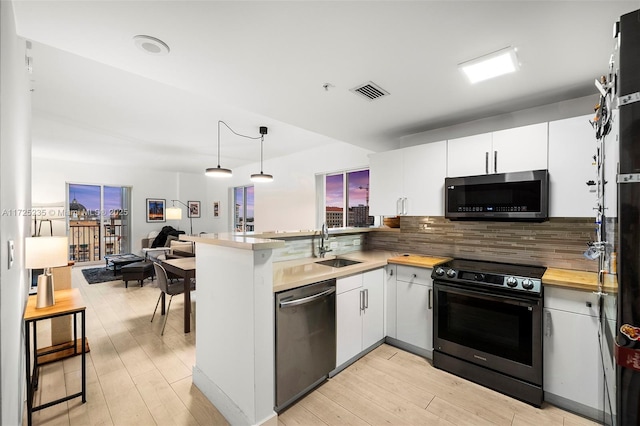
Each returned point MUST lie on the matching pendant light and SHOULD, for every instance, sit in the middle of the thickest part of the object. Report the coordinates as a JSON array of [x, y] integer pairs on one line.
[[226, 173], [261, 177], [219, 172]]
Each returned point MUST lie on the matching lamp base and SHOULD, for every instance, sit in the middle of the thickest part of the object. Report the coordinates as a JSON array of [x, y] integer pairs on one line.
[[45, 297]]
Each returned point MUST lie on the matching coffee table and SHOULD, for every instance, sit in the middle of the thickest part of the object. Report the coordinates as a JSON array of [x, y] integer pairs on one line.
[[117, 261]]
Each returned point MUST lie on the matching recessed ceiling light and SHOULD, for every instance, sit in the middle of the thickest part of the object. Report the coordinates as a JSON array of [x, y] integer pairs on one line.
[[503, 61], [151, 45]]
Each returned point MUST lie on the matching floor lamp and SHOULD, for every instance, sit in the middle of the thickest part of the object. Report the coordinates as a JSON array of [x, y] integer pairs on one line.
[[175, 213]]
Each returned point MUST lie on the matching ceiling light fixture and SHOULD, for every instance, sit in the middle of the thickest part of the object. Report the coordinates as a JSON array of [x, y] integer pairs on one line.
[[151, 45], [500, 62], [222, 172], [261, 177]]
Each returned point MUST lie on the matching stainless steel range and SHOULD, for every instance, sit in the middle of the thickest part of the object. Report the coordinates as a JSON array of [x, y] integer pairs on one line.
[[488, 325]]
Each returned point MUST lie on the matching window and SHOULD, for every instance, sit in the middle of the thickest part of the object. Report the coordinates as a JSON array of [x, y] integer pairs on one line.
[[243, 209], [98, 221], [347, 191]]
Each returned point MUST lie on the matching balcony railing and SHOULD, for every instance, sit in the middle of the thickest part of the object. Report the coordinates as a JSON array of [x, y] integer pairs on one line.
[[85, 240]]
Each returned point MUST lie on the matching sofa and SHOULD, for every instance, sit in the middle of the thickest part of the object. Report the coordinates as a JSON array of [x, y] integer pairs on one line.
[[176, 248]]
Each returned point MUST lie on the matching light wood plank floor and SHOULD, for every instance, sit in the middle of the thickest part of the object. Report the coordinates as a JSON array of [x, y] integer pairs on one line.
[[137, 377]]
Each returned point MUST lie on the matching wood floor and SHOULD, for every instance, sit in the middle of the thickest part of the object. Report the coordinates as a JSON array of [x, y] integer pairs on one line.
[[137, 377]]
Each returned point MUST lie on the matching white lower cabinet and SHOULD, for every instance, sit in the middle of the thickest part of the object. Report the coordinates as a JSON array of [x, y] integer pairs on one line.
[[359, 313], [414, 306], [573, 373]]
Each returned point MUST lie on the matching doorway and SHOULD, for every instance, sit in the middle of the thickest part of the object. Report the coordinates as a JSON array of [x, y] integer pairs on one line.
[[98, 221]]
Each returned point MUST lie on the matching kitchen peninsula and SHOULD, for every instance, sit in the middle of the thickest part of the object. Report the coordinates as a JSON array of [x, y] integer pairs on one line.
[[235, 345], [238, 276], [234, 350]]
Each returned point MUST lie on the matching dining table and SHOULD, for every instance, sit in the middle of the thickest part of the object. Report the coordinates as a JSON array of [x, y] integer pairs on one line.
[[184, 267]]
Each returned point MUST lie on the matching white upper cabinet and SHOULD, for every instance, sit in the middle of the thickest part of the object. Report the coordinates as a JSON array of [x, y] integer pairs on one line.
[[425, 167], [469, 156], [385, 182], [511, 150], [521, 148], [572, 146], [408, 181]]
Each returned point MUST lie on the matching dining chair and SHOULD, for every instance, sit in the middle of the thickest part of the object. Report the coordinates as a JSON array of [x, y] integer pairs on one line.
[[173, 287]]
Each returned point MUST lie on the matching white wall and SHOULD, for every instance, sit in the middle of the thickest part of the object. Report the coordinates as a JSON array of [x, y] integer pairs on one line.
[[289, 202], [509, 120], [15, 174], [50, 178]]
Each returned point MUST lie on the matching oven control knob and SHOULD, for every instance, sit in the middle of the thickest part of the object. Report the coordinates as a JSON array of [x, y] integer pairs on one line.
[[439, 272], [478, 277], [451, 273], [527, 284], [512, 282]]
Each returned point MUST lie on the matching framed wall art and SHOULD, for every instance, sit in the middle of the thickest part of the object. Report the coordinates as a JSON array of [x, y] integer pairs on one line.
[[216, 209], [156, 209], [194, 208]]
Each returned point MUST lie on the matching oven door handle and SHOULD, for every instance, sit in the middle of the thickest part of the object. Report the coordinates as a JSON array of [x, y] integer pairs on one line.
[[506, 299]]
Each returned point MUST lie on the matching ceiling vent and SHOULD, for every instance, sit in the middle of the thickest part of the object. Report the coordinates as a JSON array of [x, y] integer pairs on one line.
[[370, 91]]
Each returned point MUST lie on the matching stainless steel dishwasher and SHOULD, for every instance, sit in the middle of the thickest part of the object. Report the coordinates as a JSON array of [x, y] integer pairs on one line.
[[305, 340]]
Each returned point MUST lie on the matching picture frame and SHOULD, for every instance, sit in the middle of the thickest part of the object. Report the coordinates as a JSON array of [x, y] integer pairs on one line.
[[216, 209], [194, 209], [156, 209]]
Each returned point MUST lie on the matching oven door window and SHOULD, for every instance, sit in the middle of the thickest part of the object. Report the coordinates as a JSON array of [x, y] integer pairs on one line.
[[486, 324]]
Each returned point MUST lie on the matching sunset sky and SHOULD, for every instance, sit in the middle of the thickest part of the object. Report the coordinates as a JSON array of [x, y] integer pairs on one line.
[[358, 187]]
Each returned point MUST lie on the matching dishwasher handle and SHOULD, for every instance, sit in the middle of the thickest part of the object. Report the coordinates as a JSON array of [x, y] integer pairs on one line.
[[308, 299]]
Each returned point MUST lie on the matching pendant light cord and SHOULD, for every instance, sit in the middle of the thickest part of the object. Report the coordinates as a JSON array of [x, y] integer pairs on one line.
[[237, 134], [261, 145]]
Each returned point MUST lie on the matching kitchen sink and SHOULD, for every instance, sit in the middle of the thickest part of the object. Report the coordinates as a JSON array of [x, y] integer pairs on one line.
[[338, 263]]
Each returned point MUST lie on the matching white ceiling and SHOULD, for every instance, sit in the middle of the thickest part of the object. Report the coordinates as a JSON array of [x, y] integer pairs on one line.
[[255, 63]]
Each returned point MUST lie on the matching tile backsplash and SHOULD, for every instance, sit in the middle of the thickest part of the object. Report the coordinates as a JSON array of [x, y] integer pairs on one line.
[[559, 242], [297, 248]]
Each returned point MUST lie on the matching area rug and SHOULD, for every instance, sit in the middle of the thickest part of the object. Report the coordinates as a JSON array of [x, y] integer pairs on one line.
[[100, 275]]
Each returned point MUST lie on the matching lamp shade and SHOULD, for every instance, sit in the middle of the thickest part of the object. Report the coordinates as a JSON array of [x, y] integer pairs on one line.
[[46, 252], [261, 177], [219, 172], [174, 213]]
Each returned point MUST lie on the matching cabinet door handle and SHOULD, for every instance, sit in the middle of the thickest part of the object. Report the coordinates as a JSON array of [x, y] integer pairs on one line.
[[547, 326], [361, 301], [430, 299], [495, 161], [399, 206], [486, 162], [366, 298], [404, 206]]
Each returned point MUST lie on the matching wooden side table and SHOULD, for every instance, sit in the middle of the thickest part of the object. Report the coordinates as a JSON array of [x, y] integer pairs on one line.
[[68, 302]]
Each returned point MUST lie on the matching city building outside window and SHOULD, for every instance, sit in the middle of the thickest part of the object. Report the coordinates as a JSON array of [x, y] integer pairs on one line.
[[243, 209], [347, 192]]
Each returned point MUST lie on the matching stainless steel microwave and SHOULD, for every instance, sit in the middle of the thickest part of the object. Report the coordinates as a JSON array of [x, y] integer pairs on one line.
[[504, 196]]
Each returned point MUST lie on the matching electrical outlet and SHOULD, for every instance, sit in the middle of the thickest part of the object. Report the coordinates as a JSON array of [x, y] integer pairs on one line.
[[333, 245], [356, 242]]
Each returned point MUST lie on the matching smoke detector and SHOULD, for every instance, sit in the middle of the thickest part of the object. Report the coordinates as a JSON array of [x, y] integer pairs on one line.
[[370, 91], [151, 45]]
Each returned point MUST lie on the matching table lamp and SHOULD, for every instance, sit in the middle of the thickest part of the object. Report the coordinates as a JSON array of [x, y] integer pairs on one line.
[[46, 253]]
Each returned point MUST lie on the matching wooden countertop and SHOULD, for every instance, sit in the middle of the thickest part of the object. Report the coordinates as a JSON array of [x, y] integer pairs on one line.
[[416, 260], [296, 273], [578, 280]]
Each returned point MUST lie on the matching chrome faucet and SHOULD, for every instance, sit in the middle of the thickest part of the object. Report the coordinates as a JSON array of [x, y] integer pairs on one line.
[[324, 235]]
